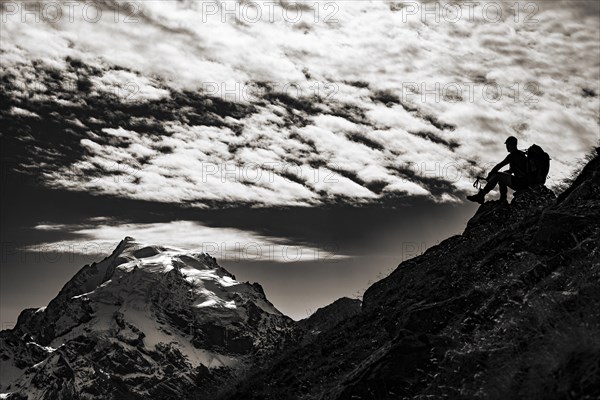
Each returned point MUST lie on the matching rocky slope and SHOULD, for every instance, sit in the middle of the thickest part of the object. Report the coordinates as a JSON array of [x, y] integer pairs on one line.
[[146, 322], [510, 309]]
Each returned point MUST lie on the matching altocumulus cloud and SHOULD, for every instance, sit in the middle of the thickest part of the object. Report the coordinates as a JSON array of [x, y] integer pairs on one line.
[[353, 101]]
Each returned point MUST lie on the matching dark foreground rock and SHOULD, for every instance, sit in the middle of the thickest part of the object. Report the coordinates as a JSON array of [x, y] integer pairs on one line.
[[510, 309]]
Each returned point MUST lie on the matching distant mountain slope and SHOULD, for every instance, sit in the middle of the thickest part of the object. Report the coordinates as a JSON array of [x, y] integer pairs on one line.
[[327, 317], [510, 309], [146, 322]]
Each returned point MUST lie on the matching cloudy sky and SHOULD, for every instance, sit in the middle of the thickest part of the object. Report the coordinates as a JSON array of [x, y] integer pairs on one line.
[[309, 146]]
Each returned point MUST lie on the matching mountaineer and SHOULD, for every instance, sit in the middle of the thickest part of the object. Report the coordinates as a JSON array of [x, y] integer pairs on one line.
[[526, 169]]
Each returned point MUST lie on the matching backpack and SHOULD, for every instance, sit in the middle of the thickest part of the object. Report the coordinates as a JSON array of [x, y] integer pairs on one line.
[[538, 165]]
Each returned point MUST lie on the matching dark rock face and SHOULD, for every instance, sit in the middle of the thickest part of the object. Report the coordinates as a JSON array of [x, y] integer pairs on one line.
[[510, 309], [146, 322]]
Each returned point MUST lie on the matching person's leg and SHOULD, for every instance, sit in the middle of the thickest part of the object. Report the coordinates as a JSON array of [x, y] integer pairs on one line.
[[505, 181], [502, 179], [491, 184]]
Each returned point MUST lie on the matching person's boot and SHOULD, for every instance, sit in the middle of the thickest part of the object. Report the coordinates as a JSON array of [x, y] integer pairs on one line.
[[477, 198]]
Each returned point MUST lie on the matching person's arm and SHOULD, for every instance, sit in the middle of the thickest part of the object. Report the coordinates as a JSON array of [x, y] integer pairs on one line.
[[500, 165]]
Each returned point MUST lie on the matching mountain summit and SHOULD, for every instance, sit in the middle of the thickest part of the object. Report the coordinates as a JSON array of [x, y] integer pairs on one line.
[[146, 322]]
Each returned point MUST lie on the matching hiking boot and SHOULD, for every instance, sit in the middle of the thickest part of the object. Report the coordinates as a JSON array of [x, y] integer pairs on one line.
[[477, 198]]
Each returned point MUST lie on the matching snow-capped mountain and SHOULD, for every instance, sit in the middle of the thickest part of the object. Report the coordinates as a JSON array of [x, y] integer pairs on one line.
[[146, 322]]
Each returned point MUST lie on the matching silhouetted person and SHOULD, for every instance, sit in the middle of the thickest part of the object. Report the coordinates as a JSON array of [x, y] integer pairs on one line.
[[515, 178]]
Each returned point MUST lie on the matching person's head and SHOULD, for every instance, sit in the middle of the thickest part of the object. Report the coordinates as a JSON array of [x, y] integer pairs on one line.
[[511, 144]]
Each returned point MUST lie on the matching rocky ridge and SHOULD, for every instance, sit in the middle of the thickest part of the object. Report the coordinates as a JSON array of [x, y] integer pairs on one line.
[[507, 310]]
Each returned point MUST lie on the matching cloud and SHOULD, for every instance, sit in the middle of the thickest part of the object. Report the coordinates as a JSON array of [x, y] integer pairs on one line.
[[158, 102], [127, 85], [225, 244]]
